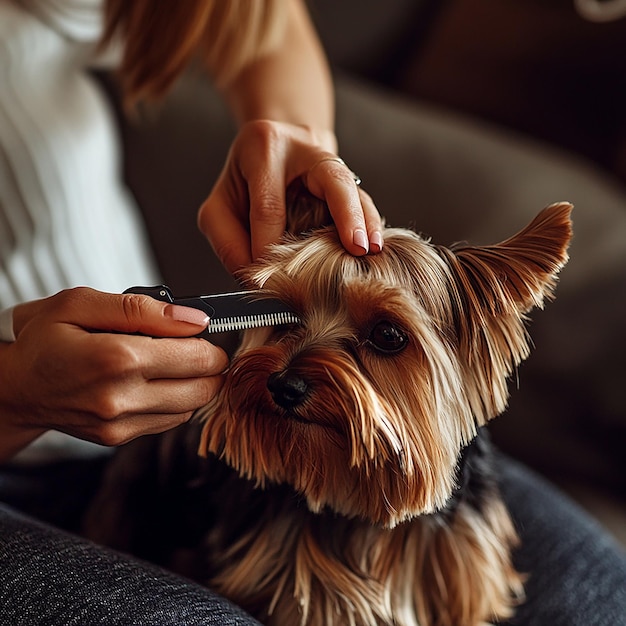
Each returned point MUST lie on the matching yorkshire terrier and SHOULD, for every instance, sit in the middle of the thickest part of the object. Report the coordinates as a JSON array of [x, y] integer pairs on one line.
[[344, 477]]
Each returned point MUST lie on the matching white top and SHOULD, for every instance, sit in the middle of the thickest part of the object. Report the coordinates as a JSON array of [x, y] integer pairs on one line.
[[65, 217]]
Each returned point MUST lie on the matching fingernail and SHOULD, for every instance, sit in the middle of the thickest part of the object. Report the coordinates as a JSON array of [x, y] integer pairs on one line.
[[187, 314], [376, 242], [359, 238]]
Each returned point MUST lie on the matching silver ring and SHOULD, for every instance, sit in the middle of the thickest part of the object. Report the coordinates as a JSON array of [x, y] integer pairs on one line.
[[355, 176]]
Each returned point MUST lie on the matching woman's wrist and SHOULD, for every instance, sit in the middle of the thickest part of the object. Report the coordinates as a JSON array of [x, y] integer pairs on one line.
[[293, 84]]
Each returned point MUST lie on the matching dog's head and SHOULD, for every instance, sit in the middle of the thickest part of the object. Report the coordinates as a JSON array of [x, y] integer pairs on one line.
[[399, 358]]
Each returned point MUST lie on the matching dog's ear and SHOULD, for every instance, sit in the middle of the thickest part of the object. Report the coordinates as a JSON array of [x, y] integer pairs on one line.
[[304, 210], [520, 271], [494, 287]]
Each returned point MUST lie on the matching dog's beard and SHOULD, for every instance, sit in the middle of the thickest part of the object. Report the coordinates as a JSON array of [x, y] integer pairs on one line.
[[355, 443]]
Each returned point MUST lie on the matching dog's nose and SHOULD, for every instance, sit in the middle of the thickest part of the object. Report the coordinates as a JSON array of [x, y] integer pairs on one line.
[[288, 389]]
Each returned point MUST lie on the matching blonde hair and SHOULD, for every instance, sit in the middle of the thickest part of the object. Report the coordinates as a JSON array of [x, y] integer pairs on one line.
[[162, 37]]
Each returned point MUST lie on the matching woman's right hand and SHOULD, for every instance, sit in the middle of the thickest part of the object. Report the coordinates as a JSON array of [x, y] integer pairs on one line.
[[103, 367]]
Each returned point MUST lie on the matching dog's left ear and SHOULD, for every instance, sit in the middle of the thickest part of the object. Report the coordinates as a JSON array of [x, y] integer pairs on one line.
[[494, 287], [520, 271]]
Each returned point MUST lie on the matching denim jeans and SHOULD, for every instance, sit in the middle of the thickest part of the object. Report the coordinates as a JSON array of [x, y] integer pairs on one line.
[[51, 576]]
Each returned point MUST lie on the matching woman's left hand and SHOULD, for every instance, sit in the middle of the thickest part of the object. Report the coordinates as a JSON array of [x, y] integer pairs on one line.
[[245, 211]]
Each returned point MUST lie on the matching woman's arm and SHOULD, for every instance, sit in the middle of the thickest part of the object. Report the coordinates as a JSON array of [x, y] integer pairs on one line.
[[284, 103], [292, 84]]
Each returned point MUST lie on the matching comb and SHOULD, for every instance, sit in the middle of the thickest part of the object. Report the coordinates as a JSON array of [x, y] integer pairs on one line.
[[239, 310]]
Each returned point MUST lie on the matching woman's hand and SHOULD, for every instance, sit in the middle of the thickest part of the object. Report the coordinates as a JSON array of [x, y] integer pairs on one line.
[[245, 211], [72, 368], [283, 102]]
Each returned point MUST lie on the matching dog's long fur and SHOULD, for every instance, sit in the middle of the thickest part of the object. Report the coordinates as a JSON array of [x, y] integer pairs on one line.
[[369, 496]]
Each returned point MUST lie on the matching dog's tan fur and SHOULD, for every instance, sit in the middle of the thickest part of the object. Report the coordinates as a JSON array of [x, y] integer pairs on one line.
[[347, 507], [311, 569], [377, 443]]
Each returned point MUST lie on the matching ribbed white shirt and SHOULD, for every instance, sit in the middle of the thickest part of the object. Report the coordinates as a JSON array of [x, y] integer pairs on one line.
[[66, 218]]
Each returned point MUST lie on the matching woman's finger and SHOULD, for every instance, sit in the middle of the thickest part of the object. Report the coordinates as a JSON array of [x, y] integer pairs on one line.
[[268, 216], [99, 311], [159, 397], [373, 220], [331, 180], [148, 358], [226, 233]]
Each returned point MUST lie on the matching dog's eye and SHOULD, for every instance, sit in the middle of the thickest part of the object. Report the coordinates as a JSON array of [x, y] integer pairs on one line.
[[388, 338]]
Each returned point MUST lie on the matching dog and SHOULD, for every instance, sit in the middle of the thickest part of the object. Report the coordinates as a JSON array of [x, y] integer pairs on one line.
[[344, 474]]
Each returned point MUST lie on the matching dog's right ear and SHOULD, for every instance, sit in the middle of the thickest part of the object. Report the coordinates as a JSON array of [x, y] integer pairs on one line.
[[304, 210]]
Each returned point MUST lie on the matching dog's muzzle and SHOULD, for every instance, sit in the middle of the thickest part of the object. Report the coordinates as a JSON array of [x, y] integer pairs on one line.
[[287, 389]]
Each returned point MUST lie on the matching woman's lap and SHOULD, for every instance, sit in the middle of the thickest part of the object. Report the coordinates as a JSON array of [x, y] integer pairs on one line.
[[48, 576], [577, 574]]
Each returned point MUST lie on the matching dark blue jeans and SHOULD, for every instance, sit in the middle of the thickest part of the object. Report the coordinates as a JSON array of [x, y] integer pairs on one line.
[[51, 576]]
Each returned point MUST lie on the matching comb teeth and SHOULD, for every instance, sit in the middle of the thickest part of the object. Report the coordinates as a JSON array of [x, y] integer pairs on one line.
[[227, 324]]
